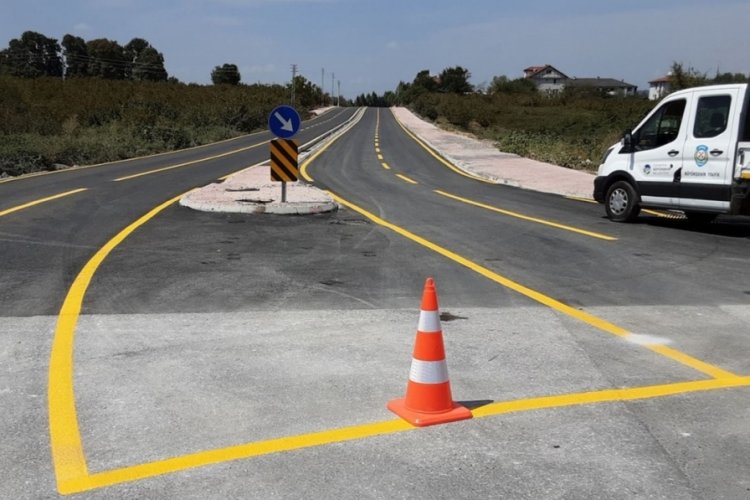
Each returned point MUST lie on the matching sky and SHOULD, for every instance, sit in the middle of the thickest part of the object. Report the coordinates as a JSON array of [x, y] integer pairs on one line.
[[372, 45]]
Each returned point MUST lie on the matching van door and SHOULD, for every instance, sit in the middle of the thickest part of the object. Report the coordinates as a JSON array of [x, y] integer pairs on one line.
[[657, 159], [709, 150]]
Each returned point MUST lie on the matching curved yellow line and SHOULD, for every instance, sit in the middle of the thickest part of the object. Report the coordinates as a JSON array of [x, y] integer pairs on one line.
[[65, 436]]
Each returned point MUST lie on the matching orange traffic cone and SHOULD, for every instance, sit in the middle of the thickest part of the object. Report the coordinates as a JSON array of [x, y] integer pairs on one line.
[[428, 398]]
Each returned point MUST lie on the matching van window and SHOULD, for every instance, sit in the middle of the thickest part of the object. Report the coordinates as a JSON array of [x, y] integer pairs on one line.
[[712, 116], [746, 133], [663, 126]]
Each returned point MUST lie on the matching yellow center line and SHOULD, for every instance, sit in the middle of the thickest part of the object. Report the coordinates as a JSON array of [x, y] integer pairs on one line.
[[526, 217], [385, 165], [192, 162], [40, 201], [585, 317], [406, 179]]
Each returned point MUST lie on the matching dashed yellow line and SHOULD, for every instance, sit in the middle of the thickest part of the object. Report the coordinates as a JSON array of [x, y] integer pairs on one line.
[[385, 165], [527, 218], [406, 179], [40, 201], [192, 162]]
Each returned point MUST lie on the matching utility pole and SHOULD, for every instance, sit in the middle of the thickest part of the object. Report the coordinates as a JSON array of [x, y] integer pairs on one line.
[[338, 94], [333, 75], [294, 77], [322, 87]]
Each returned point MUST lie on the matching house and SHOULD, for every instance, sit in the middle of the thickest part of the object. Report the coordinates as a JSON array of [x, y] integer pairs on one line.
[[547, 78], [607, 86], [660, 87]]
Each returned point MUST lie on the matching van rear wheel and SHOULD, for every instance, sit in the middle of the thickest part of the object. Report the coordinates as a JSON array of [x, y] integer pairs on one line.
[[621, 202]]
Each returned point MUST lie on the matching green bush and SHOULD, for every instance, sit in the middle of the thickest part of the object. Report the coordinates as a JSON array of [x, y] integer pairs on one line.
[[49, 121], [571, 130]]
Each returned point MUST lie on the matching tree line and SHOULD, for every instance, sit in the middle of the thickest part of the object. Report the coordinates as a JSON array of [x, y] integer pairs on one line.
[[35, 55]]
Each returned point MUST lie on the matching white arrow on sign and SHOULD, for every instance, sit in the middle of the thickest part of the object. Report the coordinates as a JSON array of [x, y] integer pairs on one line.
[[285, 124]]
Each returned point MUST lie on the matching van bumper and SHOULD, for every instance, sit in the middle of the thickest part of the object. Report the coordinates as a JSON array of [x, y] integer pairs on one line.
[[599, 183]]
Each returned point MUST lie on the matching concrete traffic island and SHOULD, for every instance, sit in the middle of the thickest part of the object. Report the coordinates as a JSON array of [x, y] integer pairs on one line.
[[252, 192]]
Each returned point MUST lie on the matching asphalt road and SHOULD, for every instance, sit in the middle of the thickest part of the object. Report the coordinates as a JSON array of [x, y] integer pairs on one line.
[[201, 332]]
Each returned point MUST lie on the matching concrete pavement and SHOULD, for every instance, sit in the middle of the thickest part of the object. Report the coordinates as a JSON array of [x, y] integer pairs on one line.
[[251, 190]]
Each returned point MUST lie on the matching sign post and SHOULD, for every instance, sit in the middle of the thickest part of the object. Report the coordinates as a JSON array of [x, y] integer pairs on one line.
[[284, 123]]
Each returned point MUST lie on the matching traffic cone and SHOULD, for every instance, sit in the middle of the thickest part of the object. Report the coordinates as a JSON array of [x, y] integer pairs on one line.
[[428, 398]]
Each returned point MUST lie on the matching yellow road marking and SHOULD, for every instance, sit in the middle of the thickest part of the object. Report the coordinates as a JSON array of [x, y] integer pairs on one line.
[[696, 364], [67, 451], [345, 434], [585, 200], [72, 169], [406, 179], [377, 149], [380, 157], [192, 162], [437, 156], [126, 160], [527, 218], [65, 436], [585, 317], [40, 201], [385, 165], [665, 215], [608, 395]]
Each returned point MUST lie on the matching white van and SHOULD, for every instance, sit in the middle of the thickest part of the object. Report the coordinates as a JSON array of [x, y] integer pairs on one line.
[[691, 153]]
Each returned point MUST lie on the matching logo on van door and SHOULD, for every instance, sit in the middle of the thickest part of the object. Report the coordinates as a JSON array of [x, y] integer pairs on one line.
[[701, 155]]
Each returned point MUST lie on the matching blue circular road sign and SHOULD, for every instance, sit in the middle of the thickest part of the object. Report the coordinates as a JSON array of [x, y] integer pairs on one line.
[[284, 122]]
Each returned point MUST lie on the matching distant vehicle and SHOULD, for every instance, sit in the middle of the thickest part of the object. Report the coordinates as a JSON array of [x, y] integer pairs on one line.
[[691, 153]]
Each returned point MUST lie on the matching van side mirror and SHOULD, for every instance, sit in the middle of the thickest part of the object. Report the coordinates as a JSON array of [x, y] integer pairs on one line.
[[628, 145]]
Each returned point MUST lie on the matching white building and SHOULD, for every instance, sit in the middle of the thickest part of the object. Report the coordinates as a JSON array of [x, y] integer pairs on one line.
[[660, 87]]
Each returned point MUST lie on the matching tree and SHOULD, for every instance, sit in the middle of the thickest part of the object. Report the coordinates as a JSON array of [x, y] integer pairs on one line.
[[146, 63], [32, 56], [503, 85], [425, 81], [226, 74], [730, 78], [107, 59], [682, 78], [76, 56], [306, 93], [455, 80]]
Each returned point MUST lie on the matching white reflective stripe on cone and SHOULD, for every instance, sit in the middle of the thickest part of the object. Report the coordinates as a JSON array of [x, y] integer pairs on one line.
[[429, 322], [428, 372]]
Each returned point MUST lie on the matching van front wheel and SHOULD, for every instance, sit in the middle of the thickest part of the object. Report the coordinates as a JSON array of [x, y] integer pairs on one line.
[[621, 202]]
